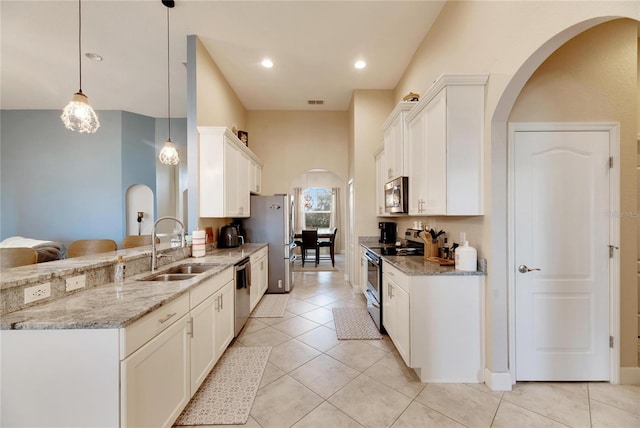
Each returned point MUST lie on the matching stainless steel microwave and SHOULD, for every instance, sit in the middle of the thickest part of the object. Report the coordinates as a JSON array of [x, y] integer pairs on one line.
[[396, 196]]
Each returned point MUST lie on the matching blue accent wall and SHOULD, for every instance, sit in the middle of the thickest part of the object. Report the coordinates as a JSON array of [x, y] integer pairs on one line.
[[60, 185]]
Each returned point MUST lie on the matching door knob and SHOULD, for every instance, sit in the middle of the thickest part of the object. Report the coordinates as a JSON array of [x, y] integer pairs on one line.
[[525, 269]]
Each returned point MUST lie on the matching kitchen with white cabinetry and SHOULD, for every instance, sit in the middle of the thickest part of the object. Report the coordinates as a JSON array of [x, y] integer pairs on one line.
[[445, 134], [229, 172], [113, 356]]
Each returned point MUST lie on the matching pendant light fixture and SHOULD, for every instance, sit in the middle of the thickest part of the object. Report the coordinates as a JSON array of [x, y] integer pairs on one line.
[[169, 153], [78, 115]]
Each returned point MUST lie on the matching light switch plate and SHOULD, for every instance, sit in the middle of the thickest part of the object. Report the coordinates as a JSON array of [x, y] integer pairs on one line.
[[76, 282], [37, 292]]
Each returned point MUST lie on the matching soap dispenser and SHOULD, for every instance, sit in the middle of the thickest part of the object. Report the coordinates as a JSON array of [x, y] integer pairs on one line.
[[466, 256]]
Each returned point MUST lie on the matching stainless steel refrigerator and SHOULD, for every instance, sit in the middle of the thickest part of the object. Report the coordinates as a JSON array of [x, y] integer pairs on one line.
[[271, 222]]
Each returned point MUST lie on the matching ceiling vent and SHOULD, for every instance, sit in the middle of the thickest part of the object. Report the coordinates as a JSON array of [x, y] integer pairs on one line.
[[315, 102]]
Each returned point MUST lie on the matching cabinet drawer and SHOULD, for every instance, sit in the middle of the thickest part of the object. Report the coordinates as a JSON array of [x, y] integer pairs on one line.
[[146, 328], [199, 293], [396, 276], [259, 254]]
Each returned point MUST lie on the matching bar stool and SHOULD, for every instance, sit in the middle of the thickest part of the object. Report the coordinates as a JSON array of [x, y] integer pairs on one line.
[[85, 247], [17, 256]]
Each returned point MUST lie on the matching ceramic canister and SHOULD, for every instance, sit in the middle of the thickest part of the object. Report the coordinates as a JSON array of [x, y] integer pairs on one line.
[[198, 243]]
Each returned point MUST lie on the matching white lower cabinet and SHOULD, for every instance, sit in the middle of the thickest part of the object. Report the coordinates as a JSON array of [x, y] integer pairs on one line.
[[224, 318], [364, 266], [155, 379], [437, 324], [259, 276]]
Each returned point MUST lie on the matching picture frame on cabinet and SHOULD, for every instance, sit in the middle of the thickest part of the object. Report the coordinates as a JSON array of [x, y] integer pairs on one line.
[[244, 137]]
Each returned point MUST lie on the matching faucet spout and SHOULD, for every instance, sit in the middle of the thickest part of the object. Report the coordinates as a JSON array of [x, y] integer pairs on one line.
[[154, 257]]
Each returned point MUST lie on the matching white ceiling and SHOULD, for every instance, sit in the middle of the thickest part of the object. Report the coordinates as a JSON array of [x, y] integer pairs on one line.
[[313, 44]]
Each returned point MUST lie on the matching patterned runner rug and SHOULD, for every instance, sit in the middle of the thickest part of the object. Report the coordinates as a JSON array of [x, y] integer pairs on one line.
[[354, 323], [271, 306], [227, 394]]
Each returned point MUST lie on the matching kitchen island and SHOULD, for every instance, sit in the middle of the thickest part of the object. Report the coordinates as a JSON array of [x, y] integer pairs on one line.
[[116, 355]]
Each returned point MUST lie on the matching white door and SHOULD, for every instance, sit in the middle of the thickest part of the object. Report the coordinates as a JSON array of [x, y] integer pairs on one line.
[[561, 192]]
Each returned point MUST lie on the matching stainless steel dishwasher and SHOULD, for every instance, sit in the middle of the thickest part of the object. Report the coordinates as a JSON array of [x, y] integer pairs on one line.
[[243, 287]]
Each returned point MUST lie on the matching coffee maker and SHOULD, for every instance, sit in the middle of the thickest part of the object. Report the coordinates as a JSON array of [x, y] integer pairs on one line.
[[387, 232]]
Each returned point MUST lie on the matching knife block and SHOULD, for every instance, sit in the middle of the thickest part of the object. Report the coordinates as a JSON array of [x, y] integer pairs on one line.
[[430, 249]]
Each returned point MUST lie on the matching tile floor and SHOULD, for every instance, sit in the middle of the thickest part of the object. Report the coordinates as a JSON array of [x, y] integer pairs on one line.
[[313, 380]]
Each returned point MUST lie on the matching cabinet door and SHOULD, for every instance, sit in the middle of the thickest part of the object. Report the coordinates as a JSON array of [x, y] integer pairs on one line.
[[381, 179], [362, 283], [224, 318], [393, 149], [402, 332], [202, 342], [417, 165], [388, 307], [243, 189], [265, 274], [155, 379], [436, 155], [231, 188]]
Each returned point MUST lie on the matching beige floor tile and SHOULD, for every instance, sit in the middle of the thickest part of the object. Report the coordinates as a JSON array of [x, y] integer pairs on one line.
[[300, 307], [625, 397], [330, 324], [509, 415], [252, 325], [419, 416], [251, 423], [603, 415], [554, 402], [283, 403], [320, 315], [271, 321], [266, 337], [370, 403], [385, 343], [327, 416], [291, 354], [343, 304], [321, 299], [460, 402], [295, 326], [270, 374], [359, 356], [392, 371], [321, 338], [484, 388], [324, 375]]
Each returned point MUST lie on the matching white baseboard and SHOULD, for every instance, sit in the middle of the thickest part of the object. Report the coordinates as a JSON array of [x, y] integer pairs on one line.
[[630, 375], [498, 381]]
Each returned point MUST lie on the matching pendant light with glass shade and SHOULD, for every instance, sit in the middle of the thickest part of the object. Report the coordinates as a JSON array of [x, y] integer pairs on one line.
[[169, 153], [78, 115]]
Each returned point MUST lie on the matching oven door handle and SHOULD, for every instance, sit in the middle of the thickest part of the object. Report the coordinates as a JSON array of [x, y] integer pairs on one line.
[[374, 301]]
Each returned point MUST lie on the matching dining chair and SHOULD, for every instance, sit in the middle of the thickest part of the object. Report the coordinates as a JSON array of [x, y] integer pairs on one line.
[[309, 242], [84, 247], [132, 241], [17, 256], [329, 244]]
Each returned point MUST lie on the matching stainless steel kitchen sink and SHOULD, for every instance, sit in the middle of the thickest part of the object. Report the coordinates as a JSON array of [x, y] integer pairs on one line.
[[180, 272], [191, 268]]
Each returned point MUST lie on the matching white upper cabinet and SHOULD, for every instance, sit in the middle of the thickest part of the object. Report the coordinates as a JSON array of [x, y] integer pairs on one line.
[[381, 179], [445, 148], [229, 172], [395, 147]]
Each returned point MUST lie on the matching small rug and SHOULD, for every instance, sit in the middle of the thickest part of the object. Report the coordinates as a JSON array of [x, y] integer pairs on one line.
[[271, 306], [354, 323], [227, 394]]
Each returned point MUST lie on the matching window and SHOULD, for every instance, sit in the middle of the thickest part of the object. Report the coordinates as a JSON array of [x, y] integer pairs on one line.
[[317, 207]]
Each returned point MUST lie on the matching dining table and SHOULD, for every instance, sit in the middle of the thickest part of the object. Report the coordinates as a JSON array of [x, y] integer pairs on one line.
[[321, 235]]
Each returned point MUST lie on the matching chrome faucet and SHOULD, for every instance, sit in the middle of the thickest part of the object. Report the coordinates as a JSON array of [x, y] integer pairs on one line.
[[154, 257]]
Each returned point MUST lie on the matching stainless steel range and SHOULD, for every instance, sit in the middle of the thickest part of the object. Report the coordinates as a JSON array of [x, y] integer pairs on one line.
[[412, 246]]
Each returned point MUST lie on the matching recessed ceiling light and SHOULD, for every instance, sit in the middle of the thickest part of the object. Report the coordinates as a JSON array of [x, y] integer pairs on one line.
[[360, 64], [267, 63], [93, 56]]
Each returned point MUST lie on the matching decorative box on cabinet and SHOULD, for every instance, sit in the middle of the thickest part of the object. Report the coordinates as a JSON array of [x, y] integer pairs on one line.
[[395, 147], [445, 135], [228, 173]]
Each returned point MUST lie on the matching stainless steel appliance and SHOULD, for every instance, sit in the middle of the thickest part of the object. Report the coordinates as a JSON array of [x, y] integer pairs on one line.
[[374, 288], [387, 232], [271, 222], [243, 286], [228, 237], [396, 196]]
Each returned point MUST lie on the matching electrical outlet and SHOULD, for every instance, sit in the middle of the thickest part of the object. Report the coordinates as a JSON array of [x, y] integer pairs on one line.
[[37, 292], [76, 282]]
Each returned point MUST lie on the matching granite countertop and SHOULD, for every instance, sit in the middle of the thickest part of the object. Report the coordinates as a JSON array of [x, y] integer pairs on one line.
[[108, 306], [413, 265]]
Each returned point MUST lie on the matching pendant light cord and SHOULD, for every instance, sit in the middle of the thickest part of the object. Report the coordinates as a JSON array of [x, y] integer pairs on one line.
[[80, 42], [168, 78]]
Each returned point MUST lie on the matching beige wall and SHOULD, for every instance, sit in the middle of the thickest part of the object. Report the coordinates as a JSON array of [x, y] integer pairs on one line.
[[509, 40], [292, 142]]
